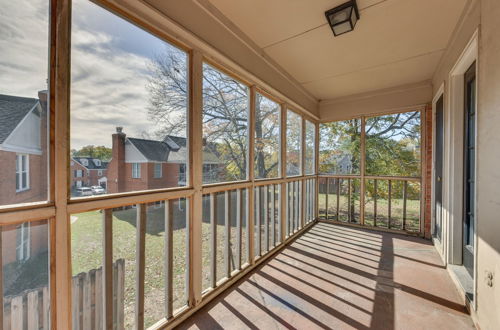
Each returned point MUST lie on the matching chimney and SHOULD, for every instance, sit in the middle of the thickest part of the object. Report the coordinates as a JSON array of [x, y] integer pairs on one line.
[[42, 97], [116, 172]]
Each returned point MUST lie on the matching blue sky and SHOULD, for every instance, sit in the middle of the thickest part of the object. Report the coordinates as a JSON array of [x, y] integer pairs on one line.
[[109, 67]]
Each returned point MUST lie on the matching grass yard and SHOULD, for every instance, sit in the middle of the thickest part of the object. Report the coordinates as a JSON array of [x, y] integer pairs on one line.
[[87, 254], [412, 211]]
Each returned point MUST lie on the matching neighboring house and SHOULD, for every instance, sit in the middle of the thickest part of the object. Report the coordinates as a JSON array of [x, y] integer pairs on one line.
[[23, 174], [88, 171], [344, 165], [141, 164]]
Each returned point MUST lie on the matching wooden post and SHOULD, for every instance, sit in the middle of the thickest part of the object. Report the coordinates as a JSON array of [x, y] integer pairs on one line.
[[1, 278], [316, 171], [302, 195], [363, 170], [60, 104], [375, 192], [195, 132], [107, 268], [140, 265], [283, 209], [251, 178]]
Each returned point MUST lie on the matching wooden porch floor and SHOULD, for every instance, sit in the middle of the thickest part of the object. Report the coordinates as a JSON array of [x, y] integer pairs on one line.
[[337, 277]]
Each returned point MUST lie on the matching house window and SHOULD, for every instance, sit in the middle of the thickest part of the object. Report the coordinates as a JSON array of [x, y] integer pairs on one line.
[[99, 173], [97, 162], [23, 242], [136, 170], [78, 173], [22, 172], [158, 170], [85, 162]]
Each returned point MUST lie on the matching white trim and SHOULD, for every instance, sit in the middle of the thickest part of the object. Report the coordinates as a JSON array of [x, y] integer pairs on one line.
[[136, 170], [6, 146], [20, 150], [144, 160], [23, 186], [454, 135], [161, 170], [437, 243]]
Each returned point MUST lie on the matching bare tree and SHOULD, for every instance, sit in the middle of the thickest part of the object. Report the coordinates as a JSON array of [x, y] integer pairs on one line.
[[225, 112]]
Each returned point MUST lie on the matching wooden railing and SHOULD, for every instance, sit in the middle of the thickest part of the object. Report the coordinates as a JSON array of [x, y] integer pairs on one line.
[[389, 202]]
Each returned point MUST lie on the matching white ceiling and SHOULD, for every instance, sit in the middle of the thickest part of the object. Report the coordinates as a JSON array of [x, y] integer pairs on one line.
[[395, 42]]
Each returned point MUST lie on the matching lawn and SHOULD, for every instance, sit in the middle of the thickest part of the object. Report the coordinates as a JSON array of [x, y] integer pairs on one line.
[[412, 211], [87, 253]]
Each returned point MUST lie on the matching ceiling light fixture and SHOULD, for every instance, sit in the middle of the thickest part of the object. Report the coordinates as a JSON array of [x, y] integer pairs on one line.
[[343, 18]]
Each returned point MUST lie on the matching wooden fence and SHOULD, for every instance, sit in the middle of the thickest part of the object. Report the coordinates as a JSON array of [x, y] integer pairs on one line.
[[31, 309]]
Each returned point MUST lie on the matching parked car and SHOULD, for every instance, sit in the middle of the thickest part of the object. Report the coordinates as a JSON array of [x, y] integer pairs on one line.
[[84, 191], [98, 190]]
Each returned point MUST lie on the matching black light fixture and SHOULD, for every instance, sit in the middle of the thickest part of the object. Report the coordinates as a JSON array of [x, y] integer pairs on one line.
[[343, 18]]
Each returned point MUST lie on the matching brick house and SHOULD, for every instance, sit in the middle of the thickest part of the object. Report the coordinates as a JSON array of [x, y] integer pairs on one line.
[[88, 171], [23, 175], [141, 164]]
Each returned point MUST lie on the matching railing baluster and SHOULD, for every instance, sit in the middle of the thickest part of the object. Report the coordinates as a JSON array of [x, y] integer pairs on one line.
[[266, 218], [227, 219], [349, 215], [375, 192], [169, 259], [140, 259], [213, 240], [326, 198], [338, 199], [389, 205], [238, 228], [286, 197], [107, 268], [273, 215], [257, 221], [405, 191], [281, 211]]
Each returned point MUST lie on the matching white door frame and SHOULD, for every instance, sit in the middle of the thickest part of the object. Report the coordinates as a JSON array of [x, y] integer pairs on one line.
[[454, 140], [438, 244]]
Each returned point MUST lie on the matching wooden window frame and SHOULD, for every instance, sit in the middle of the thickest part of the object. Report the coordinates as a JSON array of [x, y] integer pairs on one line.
[[363, 177], [59, 206]]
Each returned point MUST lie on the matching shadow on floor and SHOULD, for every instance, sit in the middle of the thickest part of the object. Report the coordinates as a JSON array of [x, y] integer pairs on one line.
[[338, 277]]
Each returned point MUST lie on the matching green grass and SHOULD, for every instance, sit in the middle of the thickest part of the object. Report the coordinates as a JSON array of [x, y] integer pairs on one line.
[[412, 211], [87, 253]]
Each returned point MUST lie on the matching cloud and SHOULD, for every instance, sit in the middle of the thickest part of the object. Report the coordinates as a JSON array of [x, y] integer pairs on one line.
[[24, 36], [108, 76]]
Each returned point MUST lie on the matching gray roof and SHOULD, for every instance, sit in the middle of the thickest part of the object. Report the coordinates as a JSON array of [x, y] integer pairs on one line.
[[171, 149], [12, 110], [155, 151], [91, 165]]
